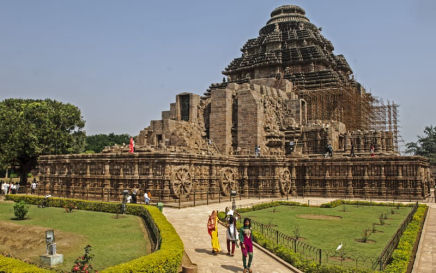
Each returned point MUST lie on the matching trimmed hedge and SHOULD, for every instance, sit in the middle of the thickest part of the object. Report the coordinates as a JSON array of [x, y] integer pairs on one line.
[[270, 205], [335, 203], [12, 265], [167, 259], [402, 256]]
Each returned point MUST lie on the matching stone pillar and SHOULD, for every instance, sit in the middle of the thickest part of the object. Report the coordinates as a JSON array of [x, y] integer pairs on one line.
[[107, 191], [419, 182], [306, 188], [136, 170], [350, 193], [275, 191], [366, 188], [327, 183], [245, 182], [399, 182], [165, 182], [378, 144], [293, 181], [382, 182]]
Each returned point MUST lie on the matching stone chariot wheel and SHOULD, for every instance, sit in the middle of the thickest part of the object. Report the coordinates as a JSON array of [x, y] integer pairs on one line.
[[181, 182], [228, 181], [285, 181]]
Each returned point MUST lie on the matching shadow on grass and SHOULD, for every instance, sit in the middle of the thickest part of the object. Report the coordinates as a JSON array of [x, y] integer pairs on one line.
[[16, 219]]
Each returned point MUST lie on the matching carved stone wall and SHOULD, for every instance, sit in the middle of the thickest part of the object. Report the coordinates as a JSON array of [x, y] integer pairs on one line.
[[169, 176]]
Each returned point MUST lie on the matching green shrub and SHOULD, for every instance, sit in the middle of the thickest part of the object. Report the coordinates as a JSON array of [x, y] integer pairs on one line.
[[335, 203], [402, 255], [365, 235], [221, 215], [270, 205], [167, 259], [12, 265], [20, 210]]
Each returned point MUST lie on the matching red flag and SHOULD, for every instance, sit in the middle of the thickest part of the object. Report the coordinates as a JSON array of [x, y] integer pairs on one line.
[[132, 145]]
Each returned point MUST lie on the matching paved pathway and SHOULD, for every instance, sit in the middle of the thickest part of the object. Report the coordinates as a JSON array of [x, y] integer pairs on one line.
[[190, 224], [426, 256]]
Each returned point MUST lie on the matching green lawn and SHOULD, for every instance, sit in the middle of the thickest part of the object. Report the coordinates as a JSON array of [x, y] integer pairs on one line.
[[327, 234], [113, 240]]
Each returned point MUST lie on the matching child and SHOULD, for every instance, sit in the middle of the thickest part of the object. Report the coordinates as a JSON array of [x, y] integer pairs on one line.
[[246, 245]]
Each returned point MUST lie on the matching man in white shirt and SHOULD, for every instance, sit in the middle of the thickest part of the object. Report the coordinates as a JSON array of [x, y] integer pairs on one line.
[[33, 187], [146, 198]]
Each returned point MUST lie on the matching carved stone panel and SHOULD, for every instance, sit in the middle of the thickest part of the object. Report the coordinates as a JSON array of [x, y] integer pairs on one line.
[[228, 181], [181, 181], [285, 181]]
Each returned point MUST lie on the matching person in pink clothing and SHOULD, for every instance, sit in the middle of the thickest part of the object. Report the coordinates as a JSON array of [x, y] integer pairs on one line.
[[245, 237]]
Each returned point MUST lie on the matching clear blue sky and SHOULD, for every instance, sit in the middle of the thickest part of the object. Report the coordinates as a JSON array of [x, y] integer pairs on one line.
[[123, 62]]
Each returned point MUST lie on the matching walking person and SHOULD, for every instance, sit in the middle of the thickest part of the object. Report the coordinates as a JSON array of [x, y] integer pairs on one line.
[[6, 188], [146, 198], [246, 245], [232, 233], [212, 229], [134, 199], [33, 186], [330, 150], [352, 150]]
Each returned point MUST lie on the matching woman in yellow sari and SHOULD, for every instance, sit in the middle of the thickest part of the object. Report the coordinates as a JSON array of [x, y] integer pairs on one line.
[[212, 229]]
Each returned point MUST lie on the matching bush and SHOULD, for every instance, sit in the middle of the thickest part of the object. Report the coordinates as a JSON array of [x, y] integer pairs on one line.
[[167, 258], [83, 264], [365, 235], [270, 205], [221, 215], [335, 203], [381, 219], [403, 254], [12, 265], [20, 210]]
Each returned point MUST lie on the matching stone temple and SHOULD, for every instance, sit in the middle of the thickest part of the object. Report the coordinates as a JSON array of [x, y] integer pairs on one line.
[[263, 131]]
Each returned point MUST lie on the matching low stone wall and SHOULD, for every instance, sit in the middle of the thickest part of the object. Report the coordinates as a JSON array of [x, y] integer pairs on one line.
[[171, 175]]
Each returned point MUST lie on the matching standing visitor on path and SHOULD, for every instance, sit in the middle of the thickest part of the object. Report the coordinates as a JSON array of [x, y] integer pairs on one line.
[[246, 245], [33, 186], [232, 233], [212, 229], [146, 198]]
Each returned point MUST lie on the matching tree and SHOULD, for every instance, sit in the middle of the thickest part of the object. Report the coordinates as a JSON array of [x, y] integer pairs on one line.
[[30, 128], [96, 143], [425, 146]]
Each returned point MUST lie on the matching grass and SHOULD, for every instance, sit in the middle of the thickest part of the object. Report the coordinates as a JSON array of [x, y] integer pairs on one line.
[[328, 233], [113, 240]]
